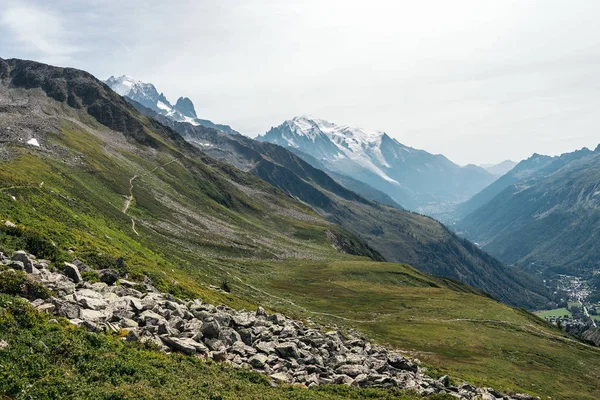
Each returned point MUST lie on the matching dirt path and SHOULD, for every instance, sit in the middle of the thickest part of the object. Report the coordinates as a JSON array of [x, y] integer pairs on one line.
[[130, 198]]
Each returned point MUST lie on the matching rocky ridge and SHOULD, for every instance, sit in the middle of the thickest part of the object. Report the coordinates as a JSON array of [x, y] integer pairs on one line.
[[287, 350]]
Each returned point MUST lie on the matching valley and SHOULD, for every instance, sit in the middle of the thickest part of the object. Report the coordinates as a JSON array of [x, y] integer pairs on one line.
[[243, 224]]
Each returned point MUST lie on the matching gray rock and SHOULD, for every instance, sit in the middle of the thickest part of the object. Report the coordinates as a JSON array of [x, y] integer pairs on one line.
[[281, 377], [220, 356], [17, 265], [266, 347], [186, 346], [243, 320], [72, 272], [109, 276], [229, 336], [402, 363], [132, 336], [150, 318], [23, 257], [210, 329], [214, 344], [258, 361], [352, 370], [287, 350], [69, 310], [3, 345]]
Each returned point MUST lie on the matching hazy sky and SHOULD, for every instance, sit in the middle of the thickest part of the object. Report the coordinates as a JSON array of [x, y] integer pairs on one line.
[[478, 81]]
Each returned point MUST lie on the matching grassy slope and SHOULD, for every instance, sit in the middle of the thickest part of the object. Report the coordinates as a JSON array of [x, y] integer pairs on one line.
[[454, 331], [398, 235], [68, 363], [183, 212]]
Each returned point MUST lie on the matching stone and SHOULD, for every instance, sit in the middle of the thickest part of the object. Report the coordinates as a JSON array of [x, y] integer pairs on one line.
[[281, 377], [266, 347], [47, 308], [214, 344], [3, 345], [402, 363], [109, 276], [243, 320], [132, 336], [23, 257], [92, 304], [220, 356], [210, 329], [72, 272], [260, 312], [258, 361], [287, 350], [80, 265], [18, 265], [69, 310], [9, 224], [229, 336], [93, 315], [150, 318], [352, 370], [185, 346]]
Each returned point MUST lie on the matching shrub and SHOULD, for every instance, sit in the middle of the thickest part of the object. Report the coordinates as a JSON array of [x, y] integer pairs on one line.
[[18, 283]]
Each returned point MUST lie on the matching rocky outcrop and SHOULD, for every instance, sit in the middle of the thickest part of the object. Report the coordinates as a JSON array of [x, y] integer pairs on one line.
[[287, 350]]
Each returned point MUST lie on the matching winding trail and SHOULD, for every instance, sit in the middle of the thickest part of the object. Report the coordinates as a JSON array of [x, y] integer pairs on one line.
[[130, 198]]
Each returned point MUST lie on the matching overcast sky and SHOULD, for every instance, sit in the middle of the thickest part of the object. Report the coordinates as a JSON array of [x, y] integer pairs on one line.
[[478, 81]]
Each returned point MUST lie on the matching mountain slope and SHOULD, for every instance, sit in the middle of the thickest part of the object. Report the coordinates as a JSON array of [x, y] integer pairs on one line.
[[414, 178], [400, 236], [201, 222], [550, 219]]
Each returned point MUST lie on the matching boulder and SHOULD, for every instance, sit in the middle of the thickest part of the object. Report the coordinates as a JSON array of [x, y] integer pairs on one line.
[[287, 350], [281, 377], [109, 276], [266, 347], [402, 363], [150, 318], [352, 370], [69, 310], [72, 272], [210, 329], [214, 344], [258, 361], [243, 320], [18, 265], [23, 257]]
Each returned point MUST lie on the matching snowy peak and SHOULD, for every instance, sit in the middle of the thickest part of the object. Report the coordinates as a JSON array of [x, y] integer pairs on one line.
[[147, 95], [185, 106], [410, 176]]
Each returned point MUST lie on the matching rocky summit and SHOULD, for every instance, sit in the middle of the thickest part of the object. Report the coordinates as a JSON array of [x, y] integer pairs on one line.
[[287, 350]]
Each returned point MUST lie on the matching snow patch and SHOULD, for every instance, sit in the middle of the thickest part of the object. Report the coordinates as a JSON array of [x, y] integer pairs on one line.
[[33, 142]]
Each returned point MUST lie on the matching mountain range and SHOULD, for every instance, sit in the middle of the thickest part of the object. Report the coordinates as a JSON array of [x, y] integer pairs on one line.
[[397, 235], [544, 215], [415, 179], [86, 178]]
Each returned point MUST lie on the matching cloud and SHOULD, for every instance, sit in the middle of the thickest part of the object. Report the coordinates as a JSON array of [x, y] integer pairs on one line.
[[41, 32]]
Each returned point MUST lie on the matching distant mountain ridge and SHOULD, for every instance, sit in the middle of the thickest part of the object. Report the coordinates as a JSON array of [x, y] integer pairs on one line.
[[543, 215], [147, 95], [398, 235], [413, 178], [500, 168]]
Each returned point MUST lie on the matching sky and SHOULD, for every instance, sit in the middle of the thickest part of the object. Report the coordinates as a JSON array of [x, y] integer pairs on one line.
[[477, 81]]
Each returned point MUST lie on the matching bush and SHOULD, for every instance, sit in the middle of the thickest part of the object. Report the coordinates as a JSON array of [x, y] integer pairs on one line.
[[226, 286], [17, 283]]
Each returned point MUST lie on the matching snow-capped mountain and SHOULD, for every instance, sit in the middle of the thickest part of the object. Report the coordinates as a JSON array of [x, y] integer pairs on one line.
[[147, 95], [414, 178]]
